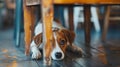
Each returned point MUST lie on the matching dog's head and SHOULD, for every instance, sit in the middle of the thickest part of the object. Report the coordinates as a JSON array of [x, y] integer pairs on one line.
[[61, 39]]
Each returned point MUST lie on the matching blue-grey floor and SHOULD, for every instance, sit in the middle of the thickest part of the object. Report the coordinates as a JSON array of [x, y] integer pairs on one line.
[[104, 54]]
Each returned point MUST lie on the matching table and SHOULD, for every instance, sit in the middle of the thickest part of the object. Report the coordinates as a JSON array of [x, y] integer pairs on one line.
[[66, 2]]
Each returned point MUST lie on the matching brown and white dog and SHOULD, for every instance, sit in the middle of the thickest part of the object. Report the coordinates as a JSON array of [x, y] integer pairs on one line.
[[62, 38]]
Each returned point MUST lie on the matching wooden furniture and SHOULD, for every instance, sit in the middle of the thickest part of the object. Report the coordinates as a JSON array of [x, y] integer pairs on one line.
[[79, 17], [108, 17], [29, 19], [29, 16], [47, 15], [68, 2]]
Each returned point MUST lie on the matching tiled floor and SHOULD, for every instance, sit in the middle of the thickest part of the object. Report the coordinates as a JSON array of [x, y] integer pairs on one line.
[[105, 54]]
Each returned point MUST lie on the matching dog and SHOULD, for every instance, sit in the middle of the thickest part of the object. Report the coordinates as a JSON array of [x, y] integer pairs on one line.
[[62, 38]]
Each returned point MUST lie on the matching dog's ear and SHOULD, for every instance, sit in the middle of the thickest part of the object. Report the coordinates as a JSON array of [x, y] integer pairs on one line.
[[70, 35], [38, 39]]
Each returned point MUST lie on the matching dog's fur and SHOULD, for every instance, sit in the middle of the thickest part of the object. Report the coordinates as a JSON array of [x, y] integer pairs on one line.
[[62, 38]]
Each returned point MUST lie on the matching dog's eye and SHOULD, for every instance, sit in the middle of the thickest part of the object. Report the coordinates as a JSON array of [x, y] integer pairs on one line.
[[62, 42]]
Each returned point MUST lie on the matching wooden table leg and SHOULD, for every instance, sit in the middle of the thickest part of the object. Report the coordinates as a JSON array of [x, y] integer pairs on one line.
[[47, 18], [70, 18], [87, 24], [29, 19]]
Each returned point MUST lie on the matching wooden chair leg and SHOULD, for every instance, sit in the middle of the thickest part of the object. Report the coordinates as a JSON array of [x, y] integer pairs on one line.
[[70, 18], [87, 16], [87, 23], [106, 23], [18, 22], [47, 16], [29, 19]]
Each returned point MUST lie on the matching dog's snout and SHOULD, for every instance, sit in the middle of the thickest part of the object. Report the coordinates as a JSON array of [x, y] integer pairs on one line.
[[58, 55]]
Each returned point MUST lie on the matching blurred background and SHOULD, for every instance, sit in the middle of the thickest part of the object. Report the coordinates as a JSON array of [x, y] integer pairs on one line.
[[105, 25]]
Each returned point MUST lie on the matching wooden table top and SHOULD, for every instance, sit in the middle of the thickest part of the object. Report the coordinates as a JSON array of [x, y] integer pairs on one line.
[[87, 1], [64, 2]]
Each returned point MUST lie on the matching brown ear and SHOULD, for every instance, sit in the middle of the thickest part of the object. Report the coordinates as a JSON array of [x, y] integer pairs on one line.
[[70, 35], [38, 39]]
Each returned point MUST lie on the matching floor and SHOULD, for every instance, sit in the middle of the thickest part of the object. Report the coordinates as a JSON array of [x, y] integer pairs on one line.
[[104, 54]]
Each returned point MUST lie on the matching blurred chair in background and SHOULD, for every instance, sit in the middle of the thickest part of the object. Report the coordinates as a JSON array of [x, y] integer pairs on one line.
[[79, 17], [112, 13]]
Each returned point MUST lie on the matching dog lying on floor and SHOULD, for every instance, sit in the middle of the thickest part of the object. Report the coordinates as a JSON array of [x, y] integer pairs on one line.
[[62, 39]]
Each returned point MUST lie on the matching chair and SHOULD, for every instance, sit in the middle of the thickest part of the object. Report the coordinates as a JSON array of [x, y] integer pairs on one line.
[[108, 17], [79, 17]]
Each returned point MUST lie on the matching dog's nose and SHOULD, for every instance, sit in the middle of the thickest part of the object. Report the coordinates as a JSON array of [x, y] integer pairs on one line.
[[58, 55]]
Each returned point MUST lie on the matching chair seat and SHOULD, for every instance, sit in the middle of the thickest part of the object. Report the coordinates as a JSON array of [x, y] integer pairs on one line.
[[32, 2]]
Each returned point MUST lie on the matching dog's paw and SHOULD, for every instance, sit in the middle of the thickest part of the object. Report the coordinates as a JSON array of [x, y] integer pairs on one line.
[[36, 54], [77, 51]]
